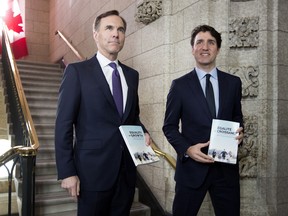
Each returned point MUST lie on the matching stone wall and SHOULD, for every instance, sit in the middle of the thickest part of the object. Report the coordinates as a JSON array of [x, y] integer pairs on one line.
[[255, 35], [37, 29]]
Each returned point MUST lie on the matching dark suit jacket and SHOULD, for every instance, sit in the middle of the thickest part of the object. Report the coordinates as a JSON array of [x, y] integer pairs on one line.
[[186, 103], [86, 106]]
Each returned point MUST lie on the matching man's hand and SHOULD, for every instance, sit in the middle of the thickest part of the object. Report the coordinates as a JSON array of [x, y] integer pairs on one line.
[[147, 139], [195, 153], [72, 184], [240, 135]]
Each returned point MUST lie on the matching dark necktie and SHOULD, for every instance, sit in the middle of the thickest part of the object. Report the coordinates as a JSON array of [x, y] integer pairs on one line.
[[210, 96], [117, 88]]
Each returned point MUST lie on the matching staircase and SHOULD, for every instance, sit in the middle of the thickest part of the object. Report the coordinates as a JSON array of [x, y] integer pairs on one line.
[[41, 82]]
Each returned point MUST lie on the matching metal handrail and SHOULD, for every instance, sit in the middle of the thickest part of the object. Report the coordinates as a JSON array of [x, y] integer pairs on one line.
[[75, 51], [9, 155], [29, 144], [171, 160], [33, 138]]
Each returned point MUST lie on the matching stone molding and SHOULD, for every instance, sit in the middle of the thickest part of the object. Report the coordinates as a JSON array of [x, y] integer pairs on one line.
[[248, 152], [148, 11], [244, 32], [249, 78]]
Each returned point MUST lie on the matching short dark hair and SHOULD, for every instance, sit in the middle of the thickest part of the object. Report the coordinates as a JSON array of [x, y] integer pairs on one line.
[[97, 21], [206, 28]]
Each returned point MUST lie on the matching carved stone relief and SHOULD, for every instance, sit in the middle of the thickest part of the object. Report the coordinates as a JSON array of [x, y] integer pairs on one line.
[[249, 78], [244, 32], [149, 11], [248, 152]]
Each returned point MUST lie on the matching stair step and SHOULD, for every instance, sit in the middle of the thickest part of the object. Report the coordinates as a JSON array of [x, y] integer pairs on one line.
[[34, 90], [46, 153], [42, 78], [47, 105], [38, 71], [48, 184], [46, 140], [50, 111], [44, 185], [66, 213], [38, 65], [52, 198], [44, 118], [139, 209], [43, 93], [43, 109], [45, 129], [52, 203], [40, 85], [45, 167], [41, 101], [4, 203]]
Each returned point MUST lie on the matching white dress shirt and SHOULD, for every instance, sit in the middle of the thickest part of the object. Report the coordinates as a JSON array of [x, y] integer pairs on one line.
[[214, 80], [108, 70]]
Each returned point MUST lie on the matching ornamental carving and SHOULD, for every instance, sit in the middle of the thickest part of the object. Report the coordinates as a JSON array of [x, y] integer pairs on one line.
[[149, 11], [249, 78], [244, 32], [248, 152]]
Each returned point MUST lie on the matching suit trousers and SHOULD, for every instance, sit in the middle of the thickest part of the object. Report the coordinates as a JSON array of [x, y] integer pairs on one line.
[[225, 198], [114, 202]]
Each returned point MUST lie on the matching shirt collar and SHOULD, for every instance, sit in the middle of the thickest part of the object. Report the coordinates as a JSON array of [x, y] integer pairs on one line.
[[103, 61], [201, 74]]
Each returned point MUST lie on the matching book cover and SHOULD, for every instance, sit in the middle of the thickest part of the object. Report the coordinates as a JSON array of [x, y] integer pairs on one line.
[[223, 145], [134, 138]]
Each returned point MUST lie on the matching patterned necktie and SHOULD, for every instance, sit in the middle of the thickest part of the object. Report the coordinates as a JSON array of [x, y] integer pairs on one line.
[[210, 96], [117, 88]]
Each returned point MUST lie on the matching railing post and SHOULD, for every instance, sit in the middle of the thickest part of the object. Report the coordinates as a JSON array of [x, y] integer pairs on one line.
[[10, 181], [28, 184]]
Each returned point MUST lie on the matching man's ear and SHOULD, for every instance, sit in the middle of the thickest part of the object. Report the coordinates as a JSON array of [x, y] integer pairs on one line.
[[192, 50], [95, 35]]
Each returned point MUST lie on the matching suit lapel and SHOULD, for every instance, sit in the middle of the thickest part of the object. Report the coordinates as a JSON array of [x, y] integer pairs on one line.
[[199, 94], [101, 81], [130, 96], [223, 90]]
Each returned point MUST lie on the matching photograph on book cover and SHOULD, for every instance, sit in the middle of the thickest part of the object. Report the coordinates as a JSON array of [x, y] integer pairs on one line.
[[224, 154], [223, 145], [135, 140], [145, 157]]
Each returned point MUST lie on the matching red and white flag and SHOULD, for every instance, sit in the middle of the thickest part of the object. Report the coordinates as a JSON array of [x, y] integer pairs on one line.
[[14, 22]]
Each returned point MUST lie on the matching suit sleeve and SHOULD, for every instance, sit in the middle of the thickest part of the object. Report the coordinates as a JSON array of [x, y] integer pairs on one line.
[[172, 120], [132, 78], [68, 102]]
